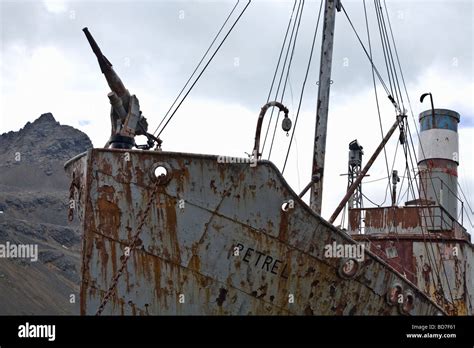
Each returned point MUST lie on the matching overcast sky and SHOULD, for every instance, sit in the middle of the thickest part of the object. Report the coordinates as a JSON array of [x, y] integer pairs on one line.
[[46, 65]]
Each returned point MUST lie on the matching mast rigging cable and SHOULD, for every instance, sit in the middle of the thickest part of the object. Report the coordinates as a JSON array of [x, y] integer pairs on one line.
[[298, 13], [207, 64], [303, 86]]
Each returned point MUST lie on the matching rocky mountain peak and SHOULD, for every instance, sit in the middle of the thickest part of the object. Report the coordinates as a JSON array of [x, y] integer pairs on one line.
[[46, 137], [46, 118], [34, 198], [40, 148]]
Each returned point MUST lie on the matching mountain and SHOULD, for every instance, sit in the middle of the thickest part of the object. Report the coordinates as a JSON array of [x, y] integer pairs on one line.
[[33, 211]]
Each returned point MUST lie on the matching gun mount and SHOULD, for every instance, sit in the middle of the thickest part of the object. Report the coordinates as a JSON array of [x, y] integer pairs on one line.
[[125, 115]]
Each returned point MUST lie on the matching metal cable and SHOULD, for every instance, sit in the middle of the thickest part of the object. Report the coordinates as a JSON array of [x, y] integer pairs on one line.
[[367, 54], [396, 53], [432, 222], [207, 64], [467, 202], [405, 148], [286, 78], [414, 154], [371, 201], [303, 86], [197, 66], [382, 41], [282, 71], [387, 50], [376, 95], [281, 52], [396, 84]]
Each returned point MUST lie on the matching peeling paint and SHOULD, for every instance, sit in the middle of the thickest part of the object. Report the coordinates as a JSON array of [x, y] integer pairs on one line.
[[188, 251]]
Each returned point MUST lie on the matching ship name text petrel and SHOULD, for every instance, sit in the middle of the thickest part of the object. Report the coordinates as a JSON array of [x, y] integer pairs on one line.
[[258, 259]]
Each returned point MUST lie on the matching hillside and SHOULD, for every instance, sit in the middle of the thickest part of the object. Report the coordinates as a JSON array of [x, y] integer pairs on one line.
[[33, 210]]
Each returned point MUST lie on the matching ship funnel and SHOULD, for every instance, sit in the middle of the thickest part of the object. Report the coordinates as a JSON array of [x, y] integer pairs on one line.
[[438, 159]]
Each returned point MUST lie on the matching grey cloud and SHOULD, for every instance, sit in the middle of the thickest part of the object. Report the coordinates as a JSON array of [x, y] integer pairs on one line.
[[160, 45]]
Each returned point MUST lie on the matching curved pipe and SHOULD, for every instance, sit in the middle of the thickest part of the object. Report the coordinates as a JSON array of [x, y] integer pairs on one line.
[[260, 122]]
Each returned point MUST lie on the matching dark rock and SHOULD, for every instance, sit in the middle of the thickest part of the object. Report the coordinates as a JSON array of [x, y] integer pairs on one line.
[[64, 236], [49, 255], [3, 233], [34, 192], [17, 227]]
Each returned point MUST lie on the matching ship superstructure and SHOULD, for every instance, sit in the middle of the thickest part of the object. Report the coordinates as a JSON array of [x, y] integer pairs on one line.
[[180, 233]]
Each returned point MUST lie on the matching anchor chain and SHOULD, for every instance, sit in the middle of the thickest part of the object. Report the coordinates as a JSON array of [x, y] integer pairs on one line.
[[131, 246]]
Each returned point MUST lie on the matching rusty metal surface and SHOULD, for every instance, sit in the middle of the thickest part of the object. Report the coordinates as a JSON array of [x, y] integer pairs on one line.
[[322, 106], [439, 183], [281, 107], [422, 262], [76, 168], [438, 262], [189, 249], [409, 220]]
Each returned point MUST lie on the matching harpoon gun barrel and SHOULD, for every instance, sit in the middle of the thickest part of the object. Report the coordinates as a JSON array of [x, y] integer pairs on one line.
[[115, 84]]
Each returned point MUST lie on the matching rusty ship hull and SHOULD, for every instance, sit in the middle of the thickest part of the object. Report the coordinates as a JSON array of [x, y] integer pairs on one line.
[[216, 241]]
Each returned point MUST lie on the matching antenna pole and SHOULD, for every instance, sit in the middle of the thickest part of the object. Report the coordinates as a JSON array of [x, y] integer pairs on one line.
[[364, 171]]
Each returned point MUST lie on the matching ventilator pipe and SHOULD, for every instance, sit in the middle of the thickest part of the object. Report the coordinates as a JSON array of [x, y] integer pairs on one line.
[[264, 109]]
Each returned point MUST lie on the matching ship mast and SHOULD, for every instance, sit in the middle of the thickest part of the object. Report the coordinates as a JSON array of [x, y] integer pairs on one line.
[[323, 104]]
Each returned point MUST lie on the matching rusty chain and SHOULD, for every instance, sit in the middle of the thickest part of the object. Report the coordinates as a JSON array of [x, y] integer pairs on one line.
[[131, 246]]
